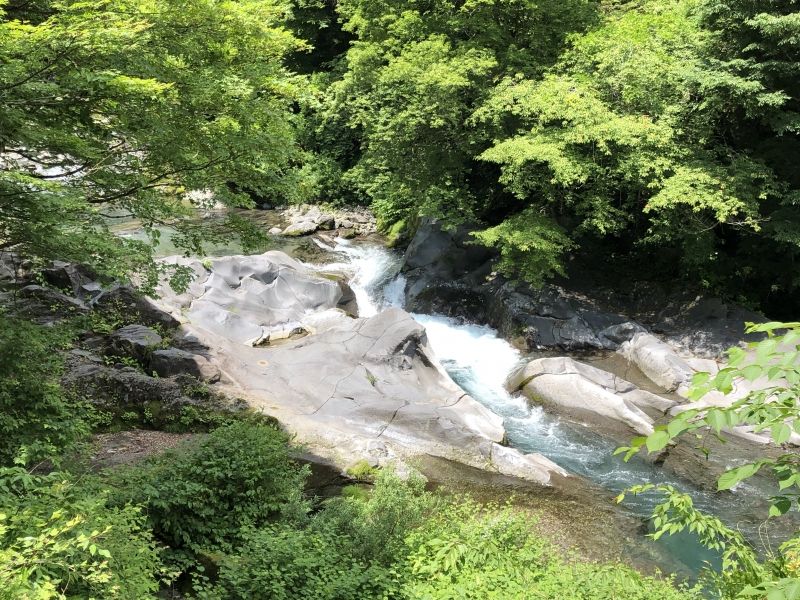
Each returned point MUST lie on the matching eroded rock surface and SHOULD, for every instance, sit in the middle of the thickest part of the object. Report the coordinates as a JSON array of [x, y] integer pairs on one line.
[[352, 387], [588, 393]]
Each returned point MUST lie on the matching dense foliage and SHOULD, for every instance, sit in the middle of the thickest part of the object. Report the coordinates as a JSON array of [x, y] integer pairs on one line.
[[59, 538], [39, 420], [662, 129], [239, 477], [224, 516], [140, 109]]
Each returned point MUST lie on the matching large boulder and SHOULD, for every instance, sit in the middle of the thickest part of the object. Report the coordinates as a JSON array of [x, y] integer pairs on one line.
[[168, 362], [587, 393], [248, 298], [127, 395], [74, 279], [301, 228], [49, 301], [658, 361], [119, 299], [136, 341]]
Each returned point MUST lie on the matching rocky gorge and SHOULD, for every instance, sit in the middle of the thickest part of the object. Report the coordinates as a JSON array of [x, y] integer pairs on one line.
[[329, 350]]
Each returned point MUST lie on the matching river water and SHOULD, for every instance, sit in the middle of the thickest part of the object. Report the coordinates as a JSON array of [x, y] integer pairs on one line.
[[479, 360]]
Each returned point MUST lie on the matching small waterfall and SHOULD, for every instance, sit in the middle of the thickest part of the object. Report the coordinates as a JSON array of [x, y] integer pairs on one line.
[[374, 275]]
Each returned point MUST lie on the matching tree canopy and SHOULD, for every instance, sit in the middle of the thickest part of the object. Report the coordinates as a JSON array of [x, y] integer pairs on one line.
[[138, 108]]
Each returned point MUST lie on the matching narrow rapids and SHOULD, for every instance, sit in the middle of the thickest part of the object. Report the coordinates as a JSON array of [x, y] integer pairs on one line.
[[479, 361]]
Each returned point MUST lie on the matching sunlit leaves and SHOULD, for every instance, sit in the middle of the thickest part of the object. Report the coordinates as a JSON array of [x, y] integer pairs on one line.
[[771, 406], [135, 105]]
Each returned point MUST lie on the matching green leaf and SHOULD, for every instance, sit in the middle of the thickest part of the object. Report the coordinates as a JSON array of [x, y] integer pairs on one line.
[[657, 440], [780, 507], [781, 432], [752, 372]]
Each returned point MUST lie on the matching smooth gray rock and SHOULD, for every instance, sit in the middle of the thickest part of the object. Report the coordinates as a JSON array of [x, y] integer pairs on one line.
[[582, 391], [658, 361], [243, 298], [350, 382], [172, 361], [300, 228], [344, 223]]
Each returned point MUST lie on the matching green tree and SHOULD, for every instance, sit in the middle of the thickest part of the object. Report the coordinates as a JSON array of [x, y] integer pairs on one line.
[[620, 141], [395, 122], [140, 109]]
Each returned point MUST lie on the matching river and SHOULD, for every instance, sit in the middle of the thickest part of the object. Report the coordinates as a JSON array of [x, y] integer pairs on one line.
[[479, 360]]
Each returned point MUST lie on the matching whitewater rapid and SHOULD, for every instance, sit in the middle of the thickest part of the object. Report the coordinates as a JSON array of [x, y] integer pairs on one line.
[[479, 360]]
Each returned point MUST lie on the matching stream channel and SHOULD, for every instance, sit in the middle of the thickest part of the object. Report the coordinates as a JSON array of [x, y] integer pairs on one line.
[[479, 360]]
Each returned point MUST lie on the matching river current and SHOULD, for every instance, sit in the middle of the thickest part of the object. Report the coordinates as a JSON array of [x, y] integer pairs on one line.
[[479, 360]]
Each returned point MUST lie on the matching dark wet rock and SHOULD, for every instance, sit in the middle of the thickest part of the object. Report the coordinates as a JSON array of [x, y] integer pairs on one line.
[[168, 362], [46, 301], [124, 300], [74, 279], [449, 275]]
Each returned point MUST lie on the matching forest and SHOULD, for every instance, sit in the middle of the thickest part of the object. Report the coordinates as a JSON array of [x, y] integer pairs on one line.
[[646, 140]]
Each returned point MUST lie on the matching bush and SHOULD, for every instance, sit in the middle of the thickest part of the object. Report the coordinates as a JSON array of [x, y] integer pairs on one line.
[[470, 551], [61, 540], [379, 524], [282, 563], [201, 496], [38, 419]]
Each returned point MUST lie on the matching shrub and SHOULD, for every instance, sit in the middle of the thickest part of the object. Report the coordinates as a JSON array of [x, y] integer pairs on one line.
[[202, 495], [470, 551], [378, 524], [38, 419], [60, 539], [282, 563]]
